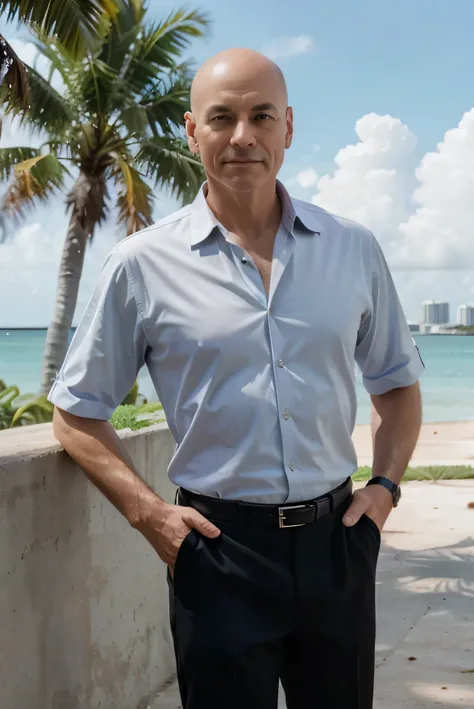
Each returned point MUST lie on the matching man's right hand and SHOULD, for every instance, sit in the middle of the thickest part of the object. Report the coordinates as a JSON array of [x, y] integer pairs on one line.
[[166, 526]]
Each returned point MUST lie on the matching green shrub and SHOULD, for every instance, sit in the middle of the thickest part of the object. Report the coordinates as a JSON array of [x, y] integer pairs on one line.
[[133, 417], [16, 410]]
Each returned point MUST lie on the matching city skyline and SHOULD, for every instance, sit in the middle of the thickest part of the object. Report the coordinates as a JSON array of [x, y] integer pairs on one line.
[[437, 312]]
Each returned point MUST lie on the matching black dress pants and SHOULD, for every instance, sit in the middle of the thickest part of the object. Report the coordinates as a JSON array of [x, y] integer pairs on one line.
[[259, 604]]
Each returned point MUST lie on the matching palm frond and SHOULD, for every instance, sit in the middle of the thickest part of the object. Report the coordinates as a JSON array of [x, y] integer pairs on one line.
[[135, 197], [169, 38], [58, 57], [135, 57], [13, 77], [11, 157], [77, 23], [47, 109], [162, 109], [35, 179], [155, 50], [135, 119], [170, 163], [101, 80], [129, 13], [166, 108]]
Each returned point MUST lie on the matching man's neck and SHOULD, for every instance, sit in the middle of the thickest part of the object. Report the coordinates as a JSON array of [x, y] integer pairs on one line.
[[252, 215]]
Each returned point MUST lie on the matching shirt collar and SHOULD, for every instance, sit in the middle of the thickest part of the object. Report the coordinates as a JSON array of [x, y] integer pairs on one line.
[[204, 221]]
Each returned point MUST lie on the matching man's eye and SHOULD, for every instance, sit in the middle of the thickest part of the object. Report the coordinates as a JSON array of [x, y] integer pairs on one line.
[[263, 116], [221, 117]]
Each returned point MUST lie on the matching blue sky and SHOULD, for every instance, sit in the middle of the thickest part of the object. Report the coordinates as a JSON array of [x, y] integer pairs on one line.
[[402, 72], [412, 58]]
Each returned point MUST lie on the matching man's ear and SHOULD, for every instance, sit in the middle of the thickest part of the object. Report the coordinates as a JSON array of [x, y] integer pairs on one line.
[[289, 127], [190, 132]]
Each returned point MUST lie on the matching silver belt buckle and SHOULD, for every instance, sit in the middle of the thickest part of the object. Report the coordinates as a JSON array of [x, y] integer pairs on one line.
[[282, 517]]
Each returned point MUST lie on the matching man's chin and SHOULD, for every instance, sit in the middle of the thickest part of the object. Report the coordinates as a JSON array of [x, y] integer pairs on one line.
[[242, 183]]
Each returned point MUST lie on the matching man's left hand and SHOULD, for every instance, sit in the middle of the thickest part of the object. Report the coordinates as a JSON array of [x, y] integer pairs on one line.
[[375, 501]]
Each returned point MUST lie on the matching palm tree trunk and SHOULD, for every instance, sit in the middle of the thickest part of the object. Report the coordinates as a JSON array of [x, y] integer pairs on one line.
[[70, 270]]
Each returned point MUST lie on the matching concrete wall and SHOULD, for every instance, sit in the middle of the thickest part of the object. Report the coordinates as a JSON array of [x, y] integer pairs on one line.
[[83, 597]]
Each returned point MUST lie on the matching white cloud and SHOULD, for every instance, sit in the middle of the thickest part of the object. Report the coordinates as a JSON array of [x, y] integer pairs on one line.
[[367, 185], [307, 178], [428, 225], [289, 47], [440, 233], [29, 264]]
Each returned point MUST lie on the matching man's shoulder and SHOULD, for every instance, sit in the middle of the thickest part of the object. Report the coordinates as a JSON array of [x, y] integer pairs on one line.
[[173, 225], [314, 216]]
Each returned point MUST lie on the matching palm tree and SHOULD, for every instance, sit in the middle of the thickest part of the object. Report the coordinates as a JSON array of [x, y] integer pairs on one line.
[[118, 122], [76, 23]]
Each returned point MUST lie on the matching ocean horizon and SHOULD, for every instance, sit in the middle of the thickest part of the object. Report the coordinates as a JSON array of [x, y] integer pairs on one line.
[[447, 384]]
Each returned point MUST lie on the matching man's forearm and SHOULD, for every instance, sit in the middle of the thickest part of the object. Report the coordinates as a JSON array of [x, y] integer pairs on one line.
[[96, 447], [396, 424]]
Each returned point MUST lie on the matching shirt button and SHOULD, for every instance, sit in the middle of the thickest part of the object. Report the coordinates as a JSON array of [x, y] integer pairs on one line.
[[286, 414], [280, 363], [291, 465], [244, 260]]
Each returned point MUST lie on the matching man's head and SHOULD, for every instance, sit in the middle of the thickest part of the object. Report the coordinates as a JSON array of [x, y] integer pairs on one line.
[[240, 122]]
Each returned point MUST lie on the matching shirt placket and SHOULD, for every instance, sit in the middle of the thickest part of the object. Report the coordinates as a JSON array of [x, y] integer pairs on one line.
[[283, 249]]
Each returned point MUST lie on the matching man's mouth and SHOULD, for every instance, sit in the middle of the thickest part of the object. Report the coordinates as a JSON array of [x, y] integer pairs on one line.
[[238, 161]]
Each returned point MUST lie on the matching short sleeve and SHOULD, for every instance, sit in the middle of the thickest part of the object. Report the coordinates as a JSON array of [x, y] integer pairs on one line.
[[107, 351], [386, 352]]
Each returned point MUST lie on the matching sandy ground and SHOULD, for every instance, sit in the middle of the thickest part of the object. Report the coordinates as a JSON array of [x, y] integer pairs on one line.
[[425, 603], [439, 444]]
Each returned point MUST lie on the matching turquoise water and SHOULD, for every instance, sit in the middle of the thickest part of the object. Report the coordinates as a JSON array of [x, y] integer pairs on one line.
[[447, 384]]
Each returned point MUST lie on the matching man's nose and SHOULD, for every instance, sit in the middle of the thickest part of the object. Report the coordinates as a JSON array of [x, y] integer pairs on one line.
[[243, 135]]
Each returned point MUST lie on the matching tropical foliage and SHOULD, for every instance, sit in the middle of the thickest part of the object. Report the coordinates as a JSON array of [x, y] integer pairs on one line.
[[114, 126], [16, 410], [136, 417], [77, 24], [23, 410]]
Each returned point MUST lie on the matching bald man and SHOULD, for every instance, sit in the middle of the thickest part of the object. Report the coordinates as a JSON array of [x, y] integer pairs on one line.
[[250, 310]]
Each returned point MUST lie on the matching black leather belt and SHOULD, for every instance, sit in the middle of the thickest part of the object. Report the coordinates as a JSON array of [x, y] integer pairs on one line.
[[284, 516]]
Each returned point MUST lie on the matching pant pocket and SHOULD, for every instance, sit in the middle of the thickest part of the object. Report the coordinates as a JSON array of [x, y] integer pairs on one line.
[[187, 547], [373, 526]]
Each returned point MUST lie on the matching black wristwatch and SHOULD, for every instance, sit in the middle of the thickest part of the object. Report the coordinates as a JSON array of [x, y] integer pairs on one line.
[[391, 486]]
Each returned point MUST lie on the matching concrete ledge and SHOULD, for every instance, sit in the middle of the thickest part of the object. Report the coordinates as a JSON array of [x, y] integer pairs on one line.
[[83, 597]]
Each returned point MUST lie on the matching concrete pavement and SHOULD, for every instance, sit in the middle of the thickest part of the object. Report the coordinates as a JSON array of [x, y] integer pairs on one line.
[[425, 598]]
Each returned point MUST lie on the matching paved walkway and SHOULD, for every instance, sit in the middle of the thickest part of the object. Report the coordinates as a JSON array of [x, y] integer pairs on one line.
[[425, 602]]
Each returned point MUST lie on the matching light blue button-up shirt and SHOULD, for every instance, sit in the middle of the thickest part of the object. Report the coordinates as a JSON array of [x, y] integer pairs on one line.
[[259, 393]]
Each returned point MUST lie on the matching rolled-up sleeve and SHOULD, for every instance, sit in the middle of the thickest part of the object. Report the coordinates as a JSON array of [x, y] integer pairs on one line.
[[108, 348], [386, 352]]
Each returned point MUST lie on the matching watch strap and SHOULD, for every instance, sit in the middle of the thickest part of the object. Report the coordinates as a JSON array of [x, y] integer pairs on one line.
[[392, 487]]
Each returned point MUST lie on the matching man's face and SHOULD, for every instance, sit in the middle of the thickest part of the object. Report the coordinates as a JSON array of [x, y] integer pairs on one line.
[[241, 129]]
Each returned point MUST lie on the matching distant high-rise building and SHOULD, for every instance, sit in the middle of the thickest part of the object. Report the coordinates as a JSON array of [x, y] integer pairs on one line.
[[466, 315], [435, 313]]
